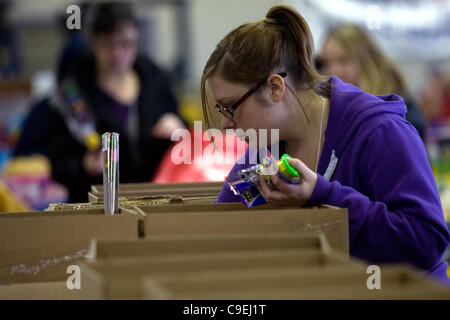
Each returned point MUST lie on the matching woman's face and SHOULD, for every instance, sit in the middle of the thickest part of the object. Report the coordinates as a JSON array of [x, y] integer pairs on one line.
[[256, 112], [336, 62], [116, 52]]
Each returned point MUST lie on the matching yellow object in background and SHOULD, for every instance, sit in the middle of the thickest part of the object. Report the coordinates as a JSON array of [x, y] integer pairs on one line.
[[93, 141], [9, 202], [35, 165], [190, 109], [28, 185]]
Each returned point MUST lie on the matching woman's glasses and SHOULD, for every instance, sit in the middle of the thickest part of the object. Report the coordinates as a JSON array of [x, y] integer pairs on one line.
[[229, 111]]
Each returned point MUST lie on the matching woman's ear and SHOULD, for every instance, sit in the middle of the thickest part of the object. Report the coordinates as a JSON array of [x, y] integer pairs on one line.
[[276, 86]]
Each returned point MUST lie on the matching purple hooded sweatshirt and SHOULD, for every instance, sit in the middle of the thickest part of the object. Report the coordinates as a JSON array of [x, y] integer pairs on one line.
[[374, 164]]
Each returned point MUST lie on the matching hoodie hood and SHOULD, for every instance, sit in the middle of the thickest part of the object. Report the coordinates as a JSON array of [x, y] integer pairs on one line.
[[351, 107]]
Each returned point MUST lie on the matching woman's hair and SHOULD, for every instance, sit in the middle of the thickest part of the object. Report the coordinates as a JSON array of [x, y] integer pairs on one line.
[[282, 42], [378, 74], [110, 16]]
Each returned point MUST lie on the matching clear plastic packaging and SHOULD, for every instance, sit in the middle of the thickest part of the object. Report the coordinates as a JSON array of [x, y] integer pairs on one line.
[[110, 152], [245, 184]]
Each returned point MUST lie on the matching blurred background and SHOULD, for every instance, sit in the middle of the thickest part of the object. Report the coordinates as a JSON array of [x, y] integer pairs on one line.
[[409, 40]]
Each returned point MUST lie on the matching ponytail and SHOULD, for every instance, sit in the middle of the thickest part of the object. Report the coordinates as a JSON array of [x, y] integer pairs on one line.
[[299, 43], [282, 42]]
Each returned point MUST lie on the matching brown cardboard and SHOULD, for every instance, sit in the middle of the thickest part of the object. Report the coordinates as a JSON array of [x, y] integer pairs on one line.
[[38, 246], [123, 203], [98, 188], [139, 194], [56, 290], [198, 199], [293, 283], [122, 278], [102, 249], [333, 222], [208, 207], [73, 206]]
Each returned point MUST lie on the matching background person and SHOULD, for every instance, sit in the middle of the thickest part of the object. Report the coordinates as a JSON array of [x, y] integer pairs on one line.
[[352, 55], [122, 91]]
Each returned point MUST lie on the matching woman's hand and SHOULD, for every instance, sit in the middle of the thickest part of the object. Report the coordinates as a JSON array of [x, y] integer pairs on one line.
[[286, 194], [93, 163], [166, 125]]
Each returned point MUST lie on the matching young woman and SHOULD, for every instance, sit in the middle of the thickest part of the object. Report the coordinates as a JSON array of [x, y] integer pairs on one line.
[[126, 93], [353, 149], [351, 54]]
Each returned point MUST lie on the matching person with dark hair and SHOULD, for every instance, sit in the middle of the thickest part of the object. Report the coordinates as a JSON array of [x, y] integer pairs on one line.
[[75, 41], [35, 132], [357, 150], [117, 90]]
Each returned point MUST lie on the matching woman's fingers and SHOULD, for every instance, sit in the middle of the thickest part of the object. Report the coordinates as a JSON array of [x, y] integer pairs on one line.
[[280, 184], [263, 186], [302, 168], [272, 196], [166, 125], [284, 193], [308, 178]]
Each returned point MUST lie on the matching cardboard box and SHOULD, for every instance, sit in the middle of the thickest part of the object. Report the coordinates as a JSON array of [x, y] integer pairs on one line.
[[74, 206], [123, 203], [183, 190], [210, 219], [145, 191], [103, 249], [110, 283], [98, 188], [202, 207], [56, 290], [399, 282], [38, 246], [119, 274]]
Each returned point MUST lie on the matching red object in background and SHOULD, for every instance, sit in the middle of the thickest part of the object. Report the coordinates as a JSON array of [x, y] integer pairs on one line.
[[207, 165], [446, 105]]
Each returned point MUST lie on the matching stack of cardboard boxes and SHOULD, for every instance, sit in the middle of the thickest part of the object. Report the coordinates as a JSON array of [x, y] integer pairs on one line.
[[171, 242]]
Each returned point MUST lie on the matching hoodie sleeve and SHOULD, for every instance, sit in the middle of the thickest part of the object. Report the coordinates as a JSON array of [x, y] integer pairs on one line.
[[399, 218]]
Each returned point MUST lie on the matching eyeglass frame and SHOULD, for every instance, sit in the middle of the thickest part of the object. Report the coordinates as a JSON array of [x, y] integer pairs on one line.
[[231, 109]]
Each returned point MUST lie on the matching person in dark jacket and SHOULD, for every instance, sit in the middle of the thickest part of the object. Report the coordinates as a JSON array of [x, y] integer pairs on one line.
[[121, 91]]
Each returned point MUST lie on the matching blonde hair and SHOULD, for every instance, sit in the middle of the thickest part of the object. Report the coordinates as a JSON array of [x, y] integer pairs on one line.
[[378, 74], [282, 42]]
